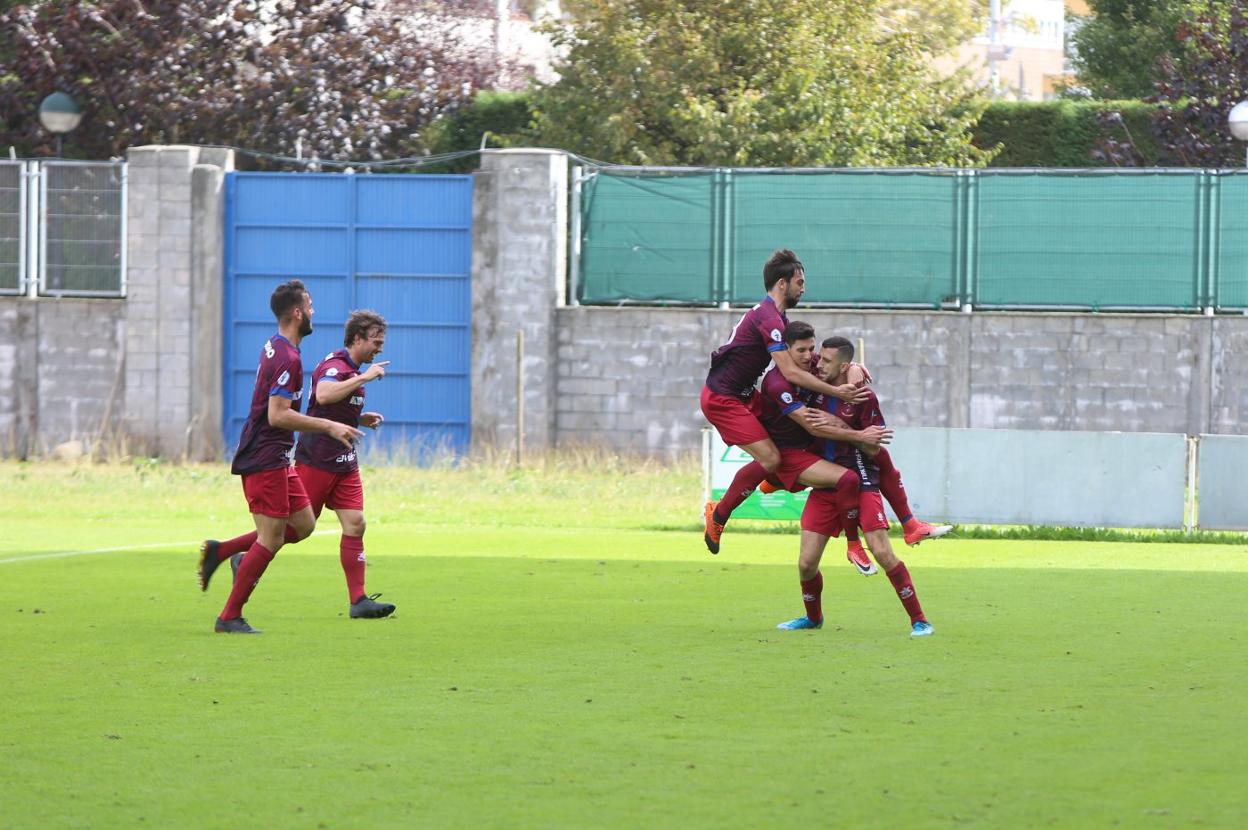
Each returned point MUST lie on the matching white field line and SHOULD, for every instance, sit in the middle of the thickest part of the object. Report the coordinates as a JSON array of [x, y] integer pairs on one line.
[[65, 554]]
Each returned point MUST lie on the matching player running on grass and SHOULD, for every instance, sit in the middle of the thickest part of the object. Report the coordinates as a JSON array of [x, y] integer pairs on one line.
[[730, 401], [332, 476], [783, 414], [275, 496], [825, 517], [329, 474]]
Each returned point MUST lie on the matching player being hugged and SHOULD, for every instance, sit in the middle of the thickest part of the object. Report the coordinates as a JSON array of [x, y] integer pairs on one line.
[[729, 398], [275, 496], [330, 473]]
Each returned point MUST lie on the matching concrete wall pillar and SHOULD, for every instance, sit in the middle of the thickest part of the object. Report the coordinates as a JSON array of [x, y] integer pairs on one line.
[[519, 262], [173, 304]]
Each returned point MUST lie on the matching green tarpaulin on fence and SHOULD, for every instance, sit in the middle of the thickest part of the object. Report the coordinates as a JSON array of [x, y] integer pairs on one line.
[[1175, 239]]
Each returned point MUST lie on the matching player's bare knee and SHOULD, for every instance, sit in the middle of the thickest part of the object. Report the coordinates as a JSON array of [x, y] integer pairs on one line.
[[807, 569], [769, 460], [354, 527]]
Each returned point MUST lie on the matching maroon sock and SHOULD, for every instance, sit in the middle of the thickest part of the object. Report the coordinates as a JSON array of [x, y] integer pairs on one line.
[[812, 593], [255, 561], [891, 488], [743, 483], [851, 532], [351, 554], [239, 544], [900, 577], [236, 545]]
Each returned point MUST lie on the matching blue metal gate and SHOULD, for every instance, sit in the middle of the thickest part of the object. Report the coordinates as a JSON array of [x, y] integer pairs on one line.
[[398, 244]]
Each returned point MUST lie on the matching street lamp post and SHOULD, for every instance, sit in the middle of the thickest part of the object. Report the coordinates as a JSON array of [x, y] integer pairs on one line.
[[59, 114], [1237, 121]]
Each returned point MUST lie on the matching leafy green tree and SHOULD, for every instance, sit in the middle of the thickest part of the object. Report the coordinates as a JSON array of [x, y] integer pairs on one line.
[[752, 82], [1119, 47]]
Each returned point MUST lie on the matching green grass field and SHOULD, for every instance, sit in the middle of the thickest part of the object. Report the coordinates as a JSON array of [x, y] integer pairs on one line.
[[566, 654]]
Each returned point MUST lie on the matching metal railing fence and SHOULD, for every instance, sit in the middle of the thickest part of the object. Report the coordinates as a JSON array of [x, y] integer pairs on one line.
[[63, 228]]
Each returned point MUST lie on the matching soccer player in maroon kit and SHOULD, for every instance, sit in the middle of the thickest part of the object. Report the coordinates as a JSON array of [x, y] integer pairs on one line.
[[825, 516], [279, 506], [784, 416], [330, 475], [730, 401]]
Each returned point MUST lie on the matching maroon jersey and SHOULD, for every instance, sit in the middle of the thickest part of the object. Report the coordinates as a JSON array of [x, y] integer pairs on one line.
[[263, 446], [736, 365], [321, 451], [857, 416], [780, 398]]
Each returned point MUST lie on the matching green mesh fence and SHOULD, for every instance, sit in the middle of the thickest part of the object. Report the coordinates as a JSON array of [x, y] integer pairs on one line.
[[649, 238], [864, 238], [1230, 268], [1087, 240], [1139, 239]]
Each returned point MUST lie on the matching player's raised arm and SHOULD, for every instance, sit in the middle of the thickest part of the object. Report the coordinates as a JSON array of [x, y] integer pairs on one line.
[[281, 415], [834, 429], [331, 390], [798, 376]]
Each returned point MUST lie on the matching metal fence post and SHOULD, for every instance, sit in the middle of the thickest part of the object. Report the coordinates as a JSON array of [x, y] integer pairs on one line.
[[574, 264]]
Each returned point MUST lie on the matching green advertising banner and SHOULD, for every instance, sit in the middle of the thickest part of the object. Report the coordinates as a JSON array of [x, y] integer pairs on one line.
[[721, 462]]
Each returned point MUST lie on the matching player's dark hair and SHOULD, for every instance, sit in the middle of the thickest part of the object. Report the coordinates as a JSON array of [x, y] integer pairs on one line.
[[842, 345], [362, 323], [783, 265], [797, 330], [286, 298]]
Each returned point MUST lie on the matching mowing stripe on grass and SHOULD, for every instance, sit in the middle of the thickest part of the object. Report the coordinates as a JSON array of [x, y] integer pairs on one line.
[[63, 554]]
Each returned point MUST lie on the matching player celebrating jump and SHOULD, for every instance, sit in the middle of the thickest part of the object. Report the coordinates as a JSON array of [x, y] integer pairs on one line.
[[331, 475], [730, 401], [275, 495]]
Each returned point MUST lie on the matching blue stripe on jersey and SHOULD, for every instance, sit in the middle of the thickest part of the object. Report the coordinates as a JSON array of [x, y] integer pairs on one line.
[[775, 347], [281, 393], [791, 408]]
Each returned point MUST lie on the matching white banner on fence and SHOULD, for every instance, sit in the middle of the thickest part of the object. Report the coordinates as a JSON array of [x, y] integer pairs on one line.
[[1022, 477], [1220, 500]]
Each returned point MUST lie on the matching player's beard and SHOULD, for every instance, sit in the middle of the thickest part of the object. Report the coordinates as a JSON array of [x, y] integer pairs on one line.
[[305, 328]]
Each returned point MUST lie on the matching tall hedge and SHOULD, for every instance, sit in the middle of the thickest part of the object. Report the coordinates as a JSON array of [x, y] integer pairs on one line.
[[1030, 134], [1064, 133], [502, 119]]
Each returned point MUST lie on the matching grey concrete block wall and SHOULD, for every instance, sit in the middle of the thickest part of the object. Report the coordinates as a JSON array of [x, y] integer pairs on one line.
[[61, 361], [145, 367], [519, 254], [629, 378], [173, 308]]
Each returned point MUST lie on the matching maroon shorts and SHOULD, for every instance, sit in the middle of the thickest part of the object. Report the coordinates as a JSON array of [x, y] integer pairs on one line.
[[792, 464], [735, 420], [337, 491], [871, 514], [820, 515], [276, 493]]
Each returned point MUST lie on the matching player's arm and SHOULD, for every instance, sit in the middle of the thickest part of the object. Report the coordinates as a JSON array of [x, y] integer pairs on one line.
[[331, 390], [282, 416], [798, 376], [834, 429]]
